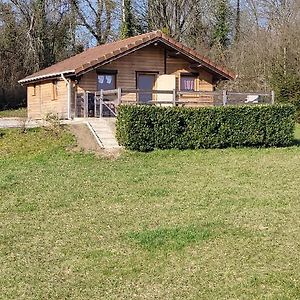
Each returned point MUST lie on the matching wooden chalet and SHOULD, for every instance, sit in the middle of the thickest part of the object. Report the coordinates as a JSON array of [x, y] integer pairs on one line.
[[149, 68]]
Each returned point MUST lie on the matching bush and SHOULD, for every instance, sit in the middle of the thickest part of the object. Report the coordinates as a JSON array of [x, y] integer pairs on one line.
[[53, 124], [145, 128]]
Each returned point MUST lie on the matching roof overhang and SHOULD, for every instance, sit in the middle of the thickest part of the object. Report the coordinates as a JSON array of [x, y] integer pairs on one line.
[[111, 58], [155, 38], [46, 76], [185, 52], [205, 62]]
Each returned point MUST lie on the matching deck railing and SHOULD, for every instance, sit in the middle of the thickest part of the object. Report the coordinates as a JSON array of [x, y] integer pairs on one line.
[[105, 102]]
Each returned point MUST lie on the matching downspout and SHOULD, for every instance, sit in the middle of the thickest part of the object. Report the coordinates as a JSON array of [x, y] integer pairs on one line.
[[69, 88]]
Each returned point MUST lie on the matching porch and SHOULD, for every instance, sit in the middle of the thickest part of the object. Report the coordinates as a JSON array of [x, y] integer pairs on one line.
[[104, 103]]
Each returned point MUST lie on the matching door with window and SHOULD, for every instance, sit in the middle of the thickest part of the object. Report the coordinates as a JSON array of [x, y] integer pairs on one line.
[[146, 82], [106, 81]]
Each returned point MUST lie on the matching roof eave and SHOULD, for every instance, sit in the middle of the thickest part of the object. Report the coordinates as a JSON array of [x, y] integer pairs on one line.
[[189, 53], [114, 56], [89, 66], [46, 76]]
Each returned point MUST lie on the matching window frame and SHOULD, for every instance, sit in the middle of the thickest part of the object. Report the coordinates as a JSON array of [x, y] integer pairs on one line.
[[105, 73], [151, 73], [190, 75]]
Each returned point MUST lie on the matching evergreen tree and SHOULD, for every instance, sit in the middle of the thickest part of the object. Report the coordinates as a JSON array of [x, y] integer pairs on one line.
[[127, 27], [221, 29], [237, 21]]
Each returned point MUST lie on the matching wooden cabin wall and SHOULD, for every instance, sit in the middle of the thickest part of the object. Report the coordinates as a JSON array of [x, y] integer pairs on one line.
[[204, 82], [41, 102], [148, 59]]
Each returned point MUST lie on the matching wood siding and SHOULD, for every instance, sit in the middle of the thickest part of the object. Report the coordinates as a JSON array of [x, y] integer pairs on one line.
[[204, 82], [148, 59], [42, 101]]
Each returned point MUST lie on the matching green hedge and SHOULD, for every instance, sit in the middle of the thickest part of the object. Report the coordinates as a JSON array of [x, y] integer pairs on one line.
[[145, 128]]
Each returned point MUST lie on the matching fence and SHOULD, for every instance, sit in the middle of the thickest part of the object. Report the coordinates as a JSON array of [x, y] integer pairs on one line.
[[105, 102]]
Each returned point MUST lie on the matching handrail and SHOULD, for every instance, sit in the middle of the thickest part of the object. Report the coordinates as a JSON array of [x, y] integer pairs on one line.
[[147, 91], [250, 93], [209, 93], [94, 133], [107, 92], [178, 98], [103, 103], [153, 102], [154, 91]]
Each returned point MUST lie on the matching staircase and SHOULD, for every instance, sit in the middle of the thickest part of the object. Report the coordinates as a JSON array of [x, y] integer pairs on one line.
[[104, 130]]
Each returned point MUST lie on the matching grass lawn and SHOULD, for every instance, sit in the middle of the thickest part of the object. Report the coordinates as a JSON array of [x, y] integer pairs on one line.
[[14, 113], [208, 224]]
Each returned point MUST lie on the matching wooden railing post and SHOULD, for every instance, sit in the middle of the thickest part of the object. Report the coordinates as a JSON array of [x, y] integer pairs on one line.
[[95, 105], [101, 104], [174, 97], [119, 96], [272, 97], [85, 104], [224, 97]]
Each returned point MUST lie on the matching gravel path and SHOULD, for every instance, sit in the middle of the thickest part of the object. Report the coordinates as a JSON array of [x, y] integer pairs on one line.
[[18, 122]]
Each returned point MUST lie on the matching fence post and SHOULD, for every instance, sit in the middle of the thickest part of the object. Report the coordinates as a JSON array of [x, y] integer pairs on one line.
[[101, 105], [95, 106], [119, 96], [224, 97], [174, 97], [85, 104], [272, 97]]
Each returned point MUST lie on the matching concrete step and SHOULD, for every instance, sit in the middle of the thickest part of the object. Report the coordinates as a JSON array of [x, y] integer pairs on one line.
[[104, 131]]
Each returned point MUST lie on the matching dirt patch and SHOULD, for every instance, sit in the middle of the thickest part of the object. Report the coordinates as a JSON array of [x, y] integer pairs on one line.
[[87, 143], [84, 138]]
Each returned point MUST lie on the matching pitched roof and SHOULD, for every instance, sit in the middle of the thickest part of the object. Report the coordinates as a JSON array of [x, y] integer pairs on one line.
[[93, 57]]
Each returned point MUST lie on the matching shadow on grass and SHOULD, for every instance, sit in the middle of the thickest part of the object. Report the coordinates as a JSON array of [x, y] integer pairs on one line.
[[297, 142], [297, 135]]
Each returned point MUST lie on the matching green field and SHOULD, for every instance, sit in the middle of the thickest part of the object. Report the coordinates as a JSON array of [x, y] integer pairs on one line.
[[207, 224]]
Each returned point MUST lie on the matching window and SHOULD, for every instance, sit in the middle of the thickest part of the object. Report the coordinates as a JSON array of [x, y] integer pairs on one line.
[[188, 82], [54, 89], [106, 81]]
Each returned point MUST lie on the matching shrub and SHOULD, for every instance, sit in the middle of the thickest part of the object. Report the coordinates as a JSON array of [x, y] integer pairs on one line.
[[53, 124], [145, 128]]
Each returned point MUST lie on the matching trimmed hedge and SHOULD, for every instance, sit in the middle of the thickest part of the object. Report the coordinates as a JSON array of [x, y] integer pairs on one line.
[[145, 128]]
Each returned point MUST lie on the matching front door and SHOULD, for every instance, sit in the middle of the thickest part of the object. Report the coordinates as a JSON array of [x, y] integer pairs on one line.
[[146, 82], [107, 81]]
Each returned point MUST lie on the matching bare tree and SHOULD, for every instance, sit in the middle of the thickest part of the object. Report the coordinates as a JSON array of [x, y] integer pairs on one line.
[[97, 17], [46, 26], [173, 17]]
